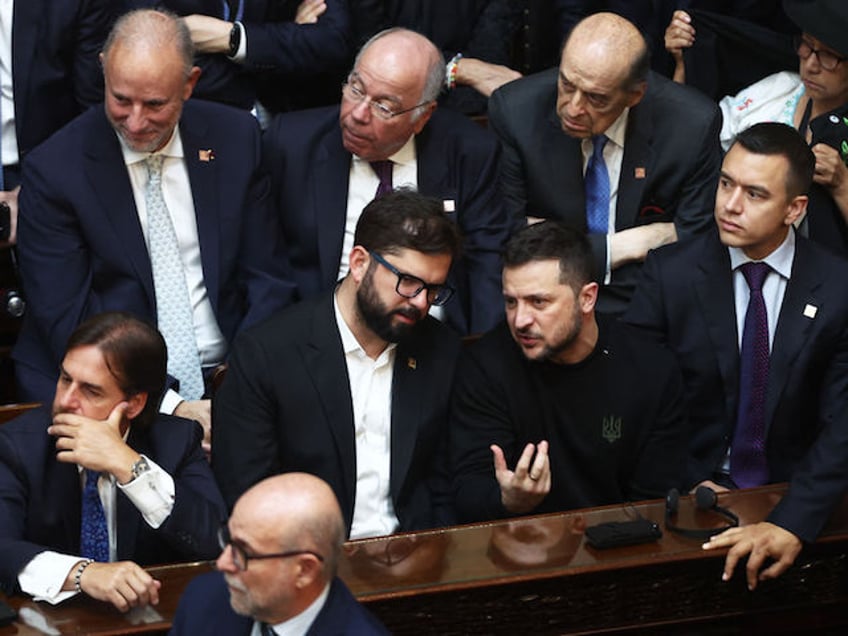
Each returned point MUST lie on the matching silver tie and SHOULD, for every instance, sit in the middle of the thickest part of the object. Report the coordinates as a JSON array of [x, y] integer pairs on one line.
[[173, 305]]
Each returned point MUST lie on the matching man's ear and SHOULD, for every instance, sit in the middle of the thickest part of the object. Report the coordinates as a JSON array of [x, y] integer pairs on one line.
[[588, 297], [359, 261], [135, 405], [795, 209], [418, 124]]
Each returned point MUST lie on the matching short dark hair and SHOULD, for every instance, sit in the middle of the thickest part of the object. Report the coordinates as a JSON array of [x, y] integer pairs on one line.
[[405, 219], [553, 240], [135, 354], [771, 138]]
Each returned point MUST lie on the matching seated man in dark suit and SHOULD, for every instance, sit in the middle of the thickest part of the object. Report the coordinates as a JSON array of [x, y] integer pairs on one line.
[[352, 386], [758, 318], [289, 530], [153, 205], [102, 484], [648, 148], [573, 410], [319, 166]]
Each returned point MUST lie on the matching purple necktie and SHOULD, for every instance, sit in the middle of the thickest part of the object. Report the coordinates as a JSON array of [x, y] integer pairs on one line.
[[94, 536], [597, 186], [383, 170], [748, 464]]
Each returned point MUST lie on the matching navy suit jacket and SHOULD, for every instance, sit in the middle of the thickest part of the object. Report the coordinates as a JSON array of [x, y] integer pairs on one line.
[[205, 609], [82, 250], [457, 161], [285, 405], [686, 301], [55, 69], [40, 497], [288, 65], [669, 171]]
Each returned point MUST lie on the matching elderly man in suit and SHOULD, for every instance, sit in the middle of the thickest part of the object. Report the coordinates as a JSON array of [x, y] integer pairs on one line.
[[153, 205], [353, 385], [101, 484], [758, 318], [609, 148], [290, 530], [327, 164]]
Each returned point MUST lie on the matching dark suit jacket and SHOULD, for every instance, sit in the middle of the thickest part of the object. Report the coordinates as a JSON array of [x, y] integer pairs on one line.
[[669, 171], [82, 250], [288, 66], [40, 497], [205, 609], [457, 160], [686, 301], [286, 406], [55, 69]]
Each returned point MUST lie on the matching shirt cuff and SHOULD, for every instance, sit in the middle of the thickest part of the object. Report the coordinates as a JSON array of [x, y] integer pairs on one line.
[[170, 401], [241, 54], [45, 575], [152, 493]]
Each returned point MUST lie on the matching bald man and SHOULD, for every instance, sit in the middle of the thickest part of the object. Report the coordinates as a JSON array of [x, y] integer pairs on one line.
[[658, 155], [289, 530], [323, 171], [154, 205]]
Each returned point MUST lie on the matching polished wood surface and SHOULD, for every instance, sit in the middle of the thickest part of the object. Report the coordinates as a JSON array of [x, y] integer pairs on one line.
[[538, 575]]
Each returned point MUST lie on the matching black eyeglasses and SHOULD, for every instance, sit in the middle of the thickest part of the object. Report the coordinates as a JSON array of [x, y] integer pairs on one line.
[[240, 557], [355, 92], [410, 286], [828, 59]]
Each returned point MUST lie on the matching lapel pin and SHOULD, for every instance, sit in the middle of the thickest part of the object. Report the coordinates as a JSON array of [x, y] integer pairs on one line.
[[810, 311], [206, 155], [639, 173], [449, 205], [411, 363]]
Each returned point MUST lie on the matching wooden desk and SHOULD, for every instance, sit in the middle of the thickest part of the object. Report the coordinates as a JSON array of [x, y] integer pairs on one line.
[[537, 576]]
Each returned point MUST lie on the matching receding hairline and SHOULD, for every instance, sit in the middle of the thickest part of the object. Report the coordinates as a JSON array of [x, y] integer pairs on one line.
[[151, 30], [610, 35]]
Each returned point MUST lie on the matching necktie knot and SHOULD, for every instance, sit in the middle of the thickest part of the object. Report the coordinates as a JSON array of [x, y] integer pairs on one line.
[[91, 477], [383, 170], [755, 274], [154, 167], [599, 142]]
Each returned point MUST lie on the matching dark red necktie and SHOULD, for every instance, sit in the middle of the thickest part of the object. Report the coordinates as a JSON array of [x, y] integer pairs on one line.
[[383, 170]]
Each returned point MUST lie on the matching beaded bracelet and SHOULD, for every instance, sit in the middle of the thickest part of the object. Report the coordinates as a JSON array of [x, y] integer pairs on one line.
[[78, 574], [450, 71]]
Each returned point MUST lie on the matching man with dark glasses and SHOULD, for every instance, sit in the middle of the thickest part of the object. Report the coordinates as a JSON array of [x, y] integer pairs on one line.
[[353, 386]]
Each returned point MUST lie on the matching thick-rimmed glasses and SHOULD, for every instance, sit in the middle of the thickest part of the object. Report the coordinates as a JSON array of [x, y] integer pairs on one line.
[[241, 557], [410, 286], [827, 59], [353, 90]]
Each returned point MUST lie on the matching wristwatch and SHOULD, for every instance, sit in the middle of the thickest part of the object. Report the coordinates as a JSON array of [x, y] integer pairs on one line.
[[140, 467], [235, 39]]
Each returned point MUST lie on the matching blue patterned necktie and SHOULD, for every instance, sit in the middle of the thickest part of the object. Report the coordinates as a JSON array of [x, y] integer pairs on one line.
[[94, 535], [597, 187], [748, 464], [173, 304], [383, 170]]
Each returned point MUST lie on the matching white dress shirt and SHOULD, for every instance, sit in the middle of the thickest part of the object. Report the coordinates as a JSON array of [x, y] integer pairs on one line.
[[613, 156], [176, 190], [152, 493], [371, 392], [8, 134]]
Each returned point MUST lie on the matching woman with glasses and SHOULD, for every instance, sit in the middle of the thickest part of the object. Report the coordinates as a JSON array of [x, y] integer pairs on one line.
[[814, 101]]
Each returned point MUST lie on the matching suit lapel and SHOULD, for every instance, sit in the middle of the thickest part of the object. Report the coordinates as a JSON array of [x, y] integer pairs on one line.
[[204, 179], [564, 157], [326, 366], [27, 20], [793, 327], [109, 180], [714, 290], [638, 156], [329, 184], [408, 392], [63, 492], [127, 517]]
